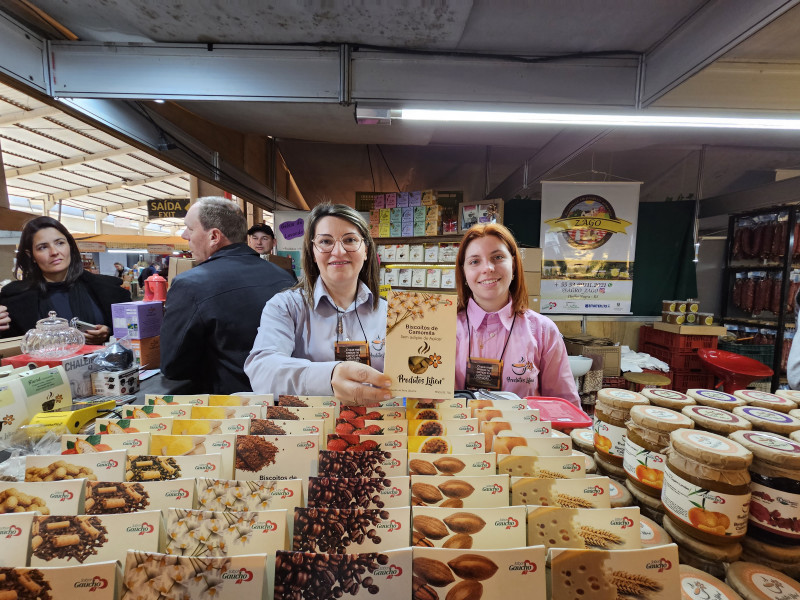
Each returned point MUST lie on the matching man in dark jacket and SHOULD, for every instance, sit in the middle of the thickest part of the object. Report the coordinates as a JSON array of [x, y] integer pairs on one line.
[[213, 310]]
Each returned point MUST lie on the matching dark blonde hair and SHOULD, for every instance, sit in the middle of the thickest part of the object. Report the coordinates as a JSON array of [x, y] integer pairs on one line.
[[518, 291], [369, 270]]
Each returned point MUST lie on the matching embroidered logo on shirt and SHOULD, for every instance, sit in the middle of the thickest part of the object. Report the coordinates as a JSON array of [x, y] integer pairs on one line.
[[521, 367]]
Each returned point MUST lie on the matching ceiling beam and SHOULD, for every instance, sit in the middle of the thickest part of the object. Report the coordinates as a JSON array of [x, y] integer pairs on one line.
[[717, 27], [67, 162], [786, 191], [97, 189], [28, 115]]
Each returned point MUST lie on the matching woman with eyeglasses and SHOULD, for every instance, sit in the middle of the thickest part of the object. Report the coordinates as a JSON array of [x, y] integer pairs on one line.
[[326, 335]]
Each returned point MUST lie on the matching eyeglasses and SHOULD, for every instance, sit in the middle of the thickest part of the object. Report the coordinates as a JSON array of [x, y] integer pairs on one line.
[[326, 243]]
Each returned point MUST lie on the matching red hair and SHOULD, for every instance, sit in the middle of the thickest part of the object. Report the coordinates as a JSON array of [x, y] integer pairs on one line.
[[518, 291]]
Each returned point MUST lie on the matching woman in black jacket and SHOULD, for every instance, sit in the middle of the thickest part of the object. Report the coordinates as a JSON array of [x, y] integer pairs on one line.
[[52, 278]]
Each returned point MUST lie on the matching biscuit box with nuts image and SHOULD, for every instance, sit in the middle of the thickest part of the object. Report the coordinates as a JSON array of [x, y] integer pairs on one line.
[[162, 426], [225, 412], [233, 495], [53, 583], [82, 539], [15, 531], [647, 574], [440, 413], [109, 466], [193, 399], [448, 444], [73, 443], [528, 415], [190, 445], [419, 403], [144, 467], [509, 442], [369, 463], [485, 491], [237, 426], [318, 576], [482, 575], [421, 463], [591, 492], [261, 457], [428, 427], [590, 528], [47, 498], [565, 466], [353, 492], [152, 576], [299, 413], [477, 528], [341, 442], [288, 427], [311, 401], [350, 530], [115, 497]]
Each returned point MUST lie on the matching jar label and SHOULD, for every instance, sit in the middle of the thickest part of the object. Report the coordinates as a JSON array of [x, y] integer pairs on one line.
[[646, 532], [662, 413], [719, 444], [609, 439], [586, 436], [644, 466], [714, 395], [775, 511], [667, 394], [773, 588], [693, 587], [767, 415], [716, 414], [705, 510], [772, 441]]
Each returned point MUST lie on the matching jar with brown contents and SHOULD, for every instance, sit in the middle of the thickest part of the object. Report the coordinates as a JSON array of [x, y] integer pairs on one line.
[[706, 489], [648, 437], [611, 413]]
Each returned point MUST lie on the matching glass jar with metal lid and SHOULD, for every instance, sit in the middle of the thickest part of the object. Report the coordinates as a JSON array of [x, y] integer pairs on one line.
[[648, 436], [766, 400], [611, 412], [667, 398], [715, 399], [716, 420], [765, 419], [706, 489]]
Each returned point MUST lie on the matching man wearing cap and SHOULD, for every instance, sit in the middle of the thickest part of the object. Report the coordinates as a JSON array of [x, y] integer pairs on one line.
[[261, 238]]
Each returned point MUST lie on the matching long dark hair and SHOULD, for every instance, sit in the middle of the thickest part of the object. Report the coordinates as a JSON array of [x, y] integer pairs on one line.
[[369, 270], [28, 271]]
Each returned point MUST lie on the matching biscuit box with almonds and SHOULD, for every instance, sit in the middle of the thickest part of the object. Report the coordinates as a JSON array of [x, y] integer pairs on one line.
[[650, 573], [370, 463], [591, 492], [353, 492], [144, 467], [565, 466], [448, 444], [66, 540], [350, 530], [115, 497], [232, 495], [15, 531], [109, 466], [261, 457], [190, 445], [147, 575], [484, 574], [47, 498], [461, 529], [102, 580], [485, 491], [72, 443], [420, 463], [599, 528]]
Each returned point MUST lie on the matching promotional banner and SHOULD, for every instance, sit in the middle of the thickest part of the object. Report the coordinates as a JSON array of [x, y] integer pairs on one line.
[[290, 227], [588, 242]]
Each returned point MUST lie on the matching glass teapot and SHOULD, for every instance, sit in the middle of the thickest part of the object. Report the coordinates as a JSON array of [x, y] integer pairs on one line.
[[52, 338]]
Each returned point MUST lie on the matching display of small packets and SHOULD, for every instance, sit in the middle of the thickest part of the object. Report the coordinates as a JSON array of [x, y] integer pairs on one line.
[[350, 530], [567, 493], [486, 491], [484, 528], [353, 492], [232, 495]]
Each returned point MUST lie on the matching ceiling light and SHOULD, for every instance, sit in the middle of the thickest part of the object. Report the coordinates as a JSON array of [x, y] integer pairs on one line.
[[129, 251], [158, 101], [603, 120]]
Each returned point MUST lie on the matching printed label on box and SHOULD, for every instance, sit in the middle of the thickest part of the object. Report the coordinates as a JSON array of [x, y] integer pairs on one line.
[[162, 425], [486, 491], [15, 531], [372, 463], [108, 466], [353, 492], [484, 528], [453, 464], [339, 442], [162, 468], [112, 497], [548, 467], [225, 412], [138, 443], [261, 457], [451, 444], [64, 582], [595, 528], [225, 494], [195, 399], [47, 498], [211, 426], [566, 493]]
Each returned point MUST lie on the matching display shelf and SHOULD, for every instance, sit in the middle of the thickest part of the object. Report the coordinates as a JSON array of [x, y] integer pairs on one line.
[[419, 239], [788, 321], [765, 267]]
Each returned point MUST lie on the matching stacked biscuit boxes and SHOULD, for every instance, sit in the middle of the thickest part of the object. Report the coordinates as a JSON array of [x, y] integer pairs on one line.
[[532, 268]]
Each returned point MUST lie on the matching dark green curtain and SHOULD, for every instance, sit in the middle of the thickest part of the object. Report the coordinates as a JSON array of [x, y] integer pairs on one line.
[[664, 267]]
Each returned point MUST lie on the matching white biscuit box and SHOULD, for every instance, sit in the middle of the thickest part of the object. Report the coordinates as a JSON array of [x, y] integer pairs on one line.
[[72, 443], [476, 404], [650, 573], [149, 467], [226, 412], [603, 528], [485, 528], [66, 540], [528, 415], [350, 530], [189, 445], [509, 442], [296, 413], [420, 463], [194, 399], [172, 409], [160, 426], [566, 493], [241, 399], [366, 442], [371, 463], [389, 574], [485, 574], [113, 497], [261, 457], [309, 401], [109, 466], [549, 467], [428, 427], [47, 498], [15, 531], [225, 533], [448, 444], [353, 492], [442, 412], [144, 412], [435, 403], [149, 576], [288, 427], [237, 426], [486, 491], [228, 494], [102, 580]]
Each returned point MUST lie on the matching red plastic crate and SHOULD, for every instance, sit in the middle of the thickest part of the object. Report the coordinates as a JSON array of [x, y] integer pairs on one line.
[[678, 360], [648, 333], [615, 382], [686, 380]]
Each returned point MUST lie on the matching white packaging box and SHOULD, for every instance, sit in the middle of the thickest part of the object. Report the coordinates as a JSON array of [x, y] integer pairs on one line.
[[164, 468], [508, 443], [416, 253], [261, 457], [108, 466], [390, 253], [404, 278], [139, 411], [433, 278], [529, 415], [102, 580], [339, 531], [382, 276], [242, 399], [420, 463], [79, 371], [302, 412], [73, 443], [228, 494], [560, 467], [353, 492], [591, 528], [107, 426], [63, 541], [225, 412], [496, 528], [448, 279], [189, 445], [53, 498], [194, 399], [373, 463], [474, 491], [591, 492], [431, 253], [231, 578], [113, 497], [392, 276], [402, 253], [448, 444], [284, 427], [174, 410], [418, 278], [15, 531], [193, 426], [116, 383], [309, 401]]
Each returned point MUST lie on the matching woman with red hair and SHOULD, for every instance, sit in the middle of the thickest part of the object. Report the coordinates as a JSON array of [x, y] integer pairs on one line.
[[501, 344]]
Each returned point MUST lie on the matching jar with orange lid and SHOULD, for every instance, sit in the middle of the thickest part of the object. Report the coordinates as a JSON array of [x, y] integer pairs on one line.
[[610, 415], [706, 489], [716, 420], [648, 436]]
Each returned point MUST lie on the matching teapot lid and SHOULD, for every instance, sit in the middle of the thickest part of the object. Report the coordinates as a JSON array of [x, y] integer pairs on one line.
[[52, 321]]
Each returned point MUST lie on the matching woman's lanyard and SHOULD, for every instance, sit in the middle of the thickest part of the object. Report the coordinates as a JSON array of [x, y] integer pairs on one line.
[[485, 373], [350, 350]]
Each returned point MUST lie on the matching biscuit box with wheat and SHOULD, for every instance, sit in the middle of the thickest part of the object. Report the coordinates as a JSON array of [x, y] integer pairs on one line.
[[261, 457], [420, 463], [363, 492], [340, 442], [48, 498], [73, 443], [565, 466], [237, 426], [649, 573], [162, 425], [188, 445], [65, 540], [226, 412], [484, 491], [309, 401], [480, 575], [159, 399], [151, 467], [230, 494], [369, 463], [299, 413], [448, 444], [109, 466], [15, 531], [462, 529], [602, 528], [146, 576], [115, 497], [590, 492], [102, 580], [351, 530]]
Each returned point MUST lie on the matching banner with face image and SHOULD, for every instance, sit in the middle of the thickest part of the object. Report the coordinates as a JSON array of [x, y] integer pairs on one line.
[[588, 240]]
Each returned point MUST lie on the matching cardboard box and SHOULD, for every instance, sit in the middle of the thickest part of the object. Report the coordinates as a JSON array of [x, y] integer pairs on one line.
[[137, 319], [374, 217], [416, 253], [147, 352], [241, 399], [396, 215], [616, 528], [354, 492], [48, 498], [322, 413], [108, 466], [115, 497], [184, 445], [225, 412], [211, 426], [453, 464], [414, 198], [489, 528], [138, 443], [101, 579], [533, 282], [178, 266], [390, 200], [567, 493], [432, 227], [428, 427], [433, 403], [289, 427], [384, 230], [402, 199], [419, 228], [375, 230], [510, 442], [162, 425], [379, 202], [116, 383], [407, 229], [395, 229], [341, 442], [404, 278], [263, 458], [144, 467], [531, 259], [557, 467], [371, 463], [476, 404], [441, 412], [474, 491], [418, 278], [195, 399], [15, 530], [232, 495], [691, 329], [346, 530], [528, 415], [611, 354], [78, 368], [385, 216]]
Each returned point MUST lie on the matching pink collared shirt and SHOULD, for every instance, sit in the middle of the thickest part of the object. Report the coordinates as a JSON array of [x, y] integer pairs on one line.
[[535, 361]]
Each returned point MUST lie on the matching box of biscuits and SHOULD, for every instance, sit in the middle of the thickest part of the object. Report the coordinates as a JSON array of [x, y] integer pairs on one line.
[[511, 442], [237, 426], [288, 427], [161, 425], [350, 530], [72, 443], [189, 445], [114, 497], [160, 400], [233, 495], [309, 401], [482, 491], [15, 531], [447, 444], [568, 493], [109, 466], [482, 528], [226, 412], [102, 580], [420, 463], [48, 498], [352, 492], [148, 467], [603, 528], [298, 413], [261, 457], [565, 466], [369, 463]]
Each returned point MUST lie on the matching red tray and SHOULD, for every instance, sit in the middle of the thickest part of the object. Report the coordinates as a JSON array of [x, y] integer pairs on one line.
[[563, 414]]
